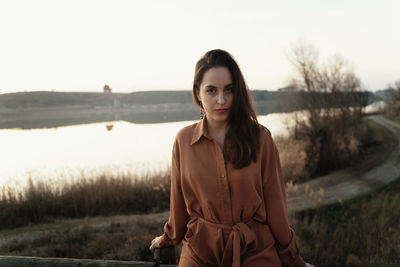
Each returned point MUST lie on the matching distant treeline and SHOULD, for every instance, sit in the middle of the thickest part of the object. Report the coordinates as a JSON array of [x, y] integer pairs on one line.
[[43, 99]]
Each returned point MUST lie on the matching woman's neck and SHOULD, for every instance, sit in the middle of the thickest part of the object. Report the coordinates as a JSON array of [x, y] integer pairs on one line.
[[217, 130]]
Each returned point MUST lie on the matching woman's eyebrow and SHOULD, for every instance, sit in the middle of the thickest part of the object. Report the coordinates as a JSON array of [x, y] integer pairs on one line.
[[212, 86]]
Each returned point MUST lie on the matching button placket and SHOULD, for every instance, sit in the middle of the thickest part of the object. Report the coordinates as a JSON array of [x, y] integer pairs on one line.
[[223, 182]]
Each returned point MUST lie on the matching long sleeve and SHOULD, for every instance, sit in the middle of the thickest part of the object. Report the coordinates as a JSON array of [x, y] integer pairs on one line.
[[275, 204], [175, 227]]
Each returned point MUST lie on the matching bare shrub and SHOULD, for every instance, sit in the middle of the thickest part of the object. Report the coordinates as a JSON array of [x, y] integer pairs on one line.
[[393, 100], [331, 96]]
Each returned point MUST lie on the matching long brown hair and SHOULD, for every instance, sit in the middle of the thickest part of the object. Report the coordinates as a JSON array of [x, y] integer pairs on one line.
[[242, 139]]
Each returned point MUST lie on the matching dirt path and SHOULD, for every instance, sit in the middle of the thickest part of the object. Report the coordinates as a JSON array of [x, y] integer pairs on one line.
[[345, 184]]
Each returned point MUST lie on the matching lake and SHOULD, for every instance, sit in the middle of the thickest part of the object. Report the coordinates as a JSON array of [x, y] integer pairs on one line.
[[116, 147]]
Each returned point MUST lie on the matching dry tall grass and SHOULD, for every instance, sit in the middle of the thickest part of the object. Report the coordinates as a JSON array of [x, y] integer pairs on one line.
[[42, 201], [293, 158]]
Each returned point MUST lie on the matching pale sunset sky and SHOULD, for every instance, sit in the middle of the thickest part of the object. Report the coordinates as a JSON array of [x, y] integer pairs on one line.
[[80, 45]]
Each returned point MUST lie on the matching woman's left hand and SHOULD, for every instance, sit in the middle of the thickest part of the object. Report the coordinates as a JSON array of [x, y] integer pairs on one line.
[[309, 265], [155, 243]]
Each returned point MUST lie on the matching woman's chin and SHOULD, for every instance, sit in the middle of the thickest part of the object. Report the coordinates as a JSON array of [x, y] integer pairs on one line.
[[220, 118]]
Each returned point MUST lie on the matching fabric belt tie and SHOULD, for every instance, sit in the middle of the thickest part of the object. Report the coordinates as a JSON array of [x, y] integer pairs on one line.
[[240, 237]]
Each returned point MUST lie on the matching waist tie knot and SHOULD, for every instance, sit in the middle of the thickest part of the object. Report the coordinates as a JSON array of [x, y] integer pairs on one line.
[[239, 239]]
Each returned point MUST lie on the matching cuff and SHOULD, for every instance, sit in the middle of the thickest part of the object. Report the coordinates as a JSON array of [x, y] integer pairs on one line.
[[290, 254], [164, 241]]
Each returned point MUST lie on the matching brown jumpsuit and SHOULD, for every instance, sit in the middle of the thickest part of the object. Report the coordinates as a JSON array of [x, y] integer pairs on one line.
[[227, 216]]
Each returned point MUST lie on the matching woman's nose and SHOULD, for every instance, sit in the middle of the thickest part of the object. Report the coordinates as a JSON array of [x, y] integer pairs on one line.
[[221, 98]]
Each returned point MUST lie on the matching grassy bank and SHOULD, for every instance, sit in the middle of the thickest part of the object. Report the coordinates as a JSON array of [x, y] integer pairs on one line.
[[360, 232], [393, 117], [124, 237]]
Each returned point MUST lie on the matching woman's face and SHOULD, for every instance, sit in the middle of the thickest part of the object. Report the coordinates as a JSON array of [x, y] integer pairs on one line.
[[216, 94]]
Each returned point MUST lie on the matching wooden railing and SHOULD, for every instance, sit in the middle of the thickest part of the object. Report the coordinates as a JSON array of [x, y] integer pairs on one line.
[[166, 257]]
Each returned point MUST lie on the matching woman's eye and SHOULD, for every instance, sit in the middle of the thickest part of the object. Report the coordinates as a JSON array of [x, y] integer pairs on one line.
[[229, 89], [210, 90]]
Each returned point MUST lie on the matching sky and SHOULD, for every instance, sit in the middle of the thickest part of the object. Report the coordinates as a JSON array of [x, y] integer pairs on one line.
[[81, 45]]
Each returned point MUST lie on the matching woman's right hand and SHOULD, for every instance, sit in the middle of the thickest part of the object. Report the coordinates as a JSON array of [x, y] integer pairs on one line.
[[155, 243], [309, 265]]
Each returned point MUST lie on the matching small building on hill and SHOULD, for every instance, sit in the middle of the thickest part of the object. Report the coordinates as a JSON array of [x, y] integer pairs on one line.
[[107, 89]]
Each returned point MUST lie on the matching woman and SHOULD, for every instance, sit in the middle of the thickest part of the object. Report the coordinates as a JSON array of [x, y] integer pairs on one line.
[[228, 202]]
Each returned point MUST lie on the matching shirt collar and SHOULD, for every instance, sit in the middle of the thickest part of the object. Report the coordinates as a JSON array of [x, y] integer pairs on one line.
[[200, 130]]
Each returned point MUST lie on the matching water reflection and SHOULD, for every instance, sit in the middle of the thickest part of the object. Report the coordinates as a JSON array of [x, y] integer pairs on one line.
[[109, 126], [67, 151]]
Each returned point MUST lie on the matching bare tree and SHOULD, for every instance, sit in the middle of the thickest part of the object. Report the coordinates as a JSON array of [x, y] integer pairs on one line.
[[330, 95]]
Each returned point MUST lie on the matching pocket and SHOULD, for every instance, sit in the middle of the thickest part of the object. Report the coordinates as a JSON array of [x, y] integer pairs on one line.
[[202, 240], [189, 234], [193, 229]]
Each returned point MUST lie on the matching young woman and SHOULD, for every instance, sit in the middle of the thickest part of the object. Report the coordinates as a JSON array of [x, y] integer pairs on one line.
[[228, 201]]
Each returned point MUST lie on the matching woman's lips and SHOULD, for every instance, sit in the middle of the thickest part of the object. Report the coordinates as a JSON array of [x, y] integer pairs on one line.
[[221, 110]]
